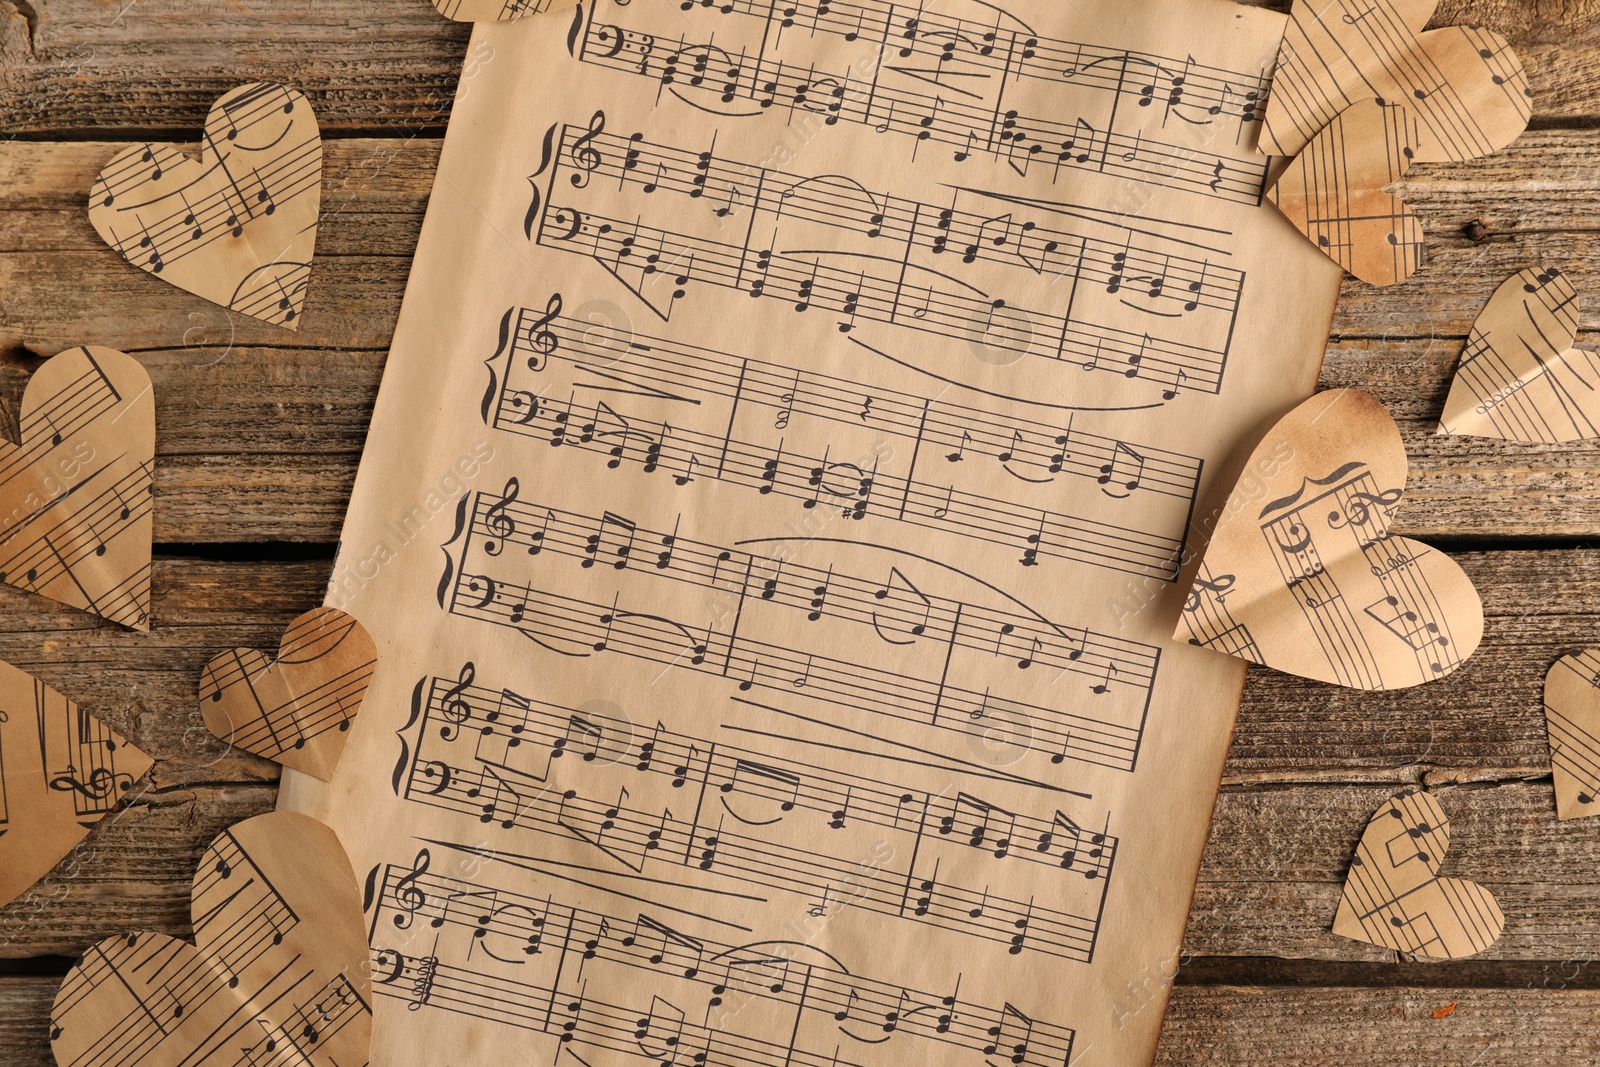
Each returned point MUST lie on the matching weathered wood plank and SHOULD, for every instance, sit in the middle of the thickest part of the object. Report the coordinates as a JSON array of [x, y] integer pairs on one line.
[[1309, 765], [1539, 199], [92, 65], [1229, 1026], [145, 685], [25, 1021], [260, 430], [1268, 1027]]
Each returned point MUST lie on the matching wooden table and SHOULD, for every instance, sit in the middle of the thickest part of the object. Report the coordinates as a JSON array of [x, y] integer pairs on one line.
[[260, 431]]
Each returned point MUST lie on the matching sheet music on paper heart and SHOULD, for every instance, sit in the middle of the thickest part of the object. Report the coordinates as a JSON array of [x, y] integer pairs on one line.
[[798, 437]]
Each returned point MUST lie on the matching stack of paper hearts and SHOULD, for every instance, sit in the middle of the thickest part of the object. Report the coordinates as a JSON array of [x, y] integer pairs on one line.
[[278, 974], [1360, 94]]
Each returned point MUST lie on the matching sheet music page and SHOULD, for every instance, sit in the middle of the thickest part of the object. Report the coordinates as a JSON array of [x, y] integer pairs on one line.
[[771, 526]]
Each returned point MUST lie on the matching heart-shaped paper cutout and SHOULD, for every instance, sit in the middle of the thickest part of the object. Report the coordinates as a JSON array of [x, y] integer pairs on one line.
[[75, 494], [1302, 573], [497, 10], [238, 225], [1519, 378], [61, 771], [1465, 86], [1394, 896], [1572, 717], [279, 975], [1335, 193], [295, 710]]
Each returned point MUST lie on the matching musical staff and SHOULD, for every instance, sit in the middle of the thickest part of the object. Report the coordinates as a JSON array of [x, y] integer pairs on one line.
[[1519, 378], [825, 243], [522, 764], [1394, 896], [61, 771], [75, 493], [184, 220], [980, 90], [453, 945], [1465, 85], [495, 10], [1100, 684], [1336, 192], [1314, 582], [1571, 699], [1349, 504], [297, 709], [1208, 621], [745, 422], [279, 973]]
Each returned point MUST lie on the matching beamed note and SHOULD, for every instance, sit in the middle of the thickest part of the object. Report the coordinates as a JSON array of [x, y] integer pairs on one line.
[[800, 432]]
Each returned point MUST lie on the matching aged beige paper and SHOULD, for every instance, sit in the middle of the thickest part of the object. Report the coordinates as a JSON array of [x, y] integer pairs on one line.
[[1394, 896], [772, 527], [278, 972], [296, 709], [75, 489], [1520, 378], [238, 224], [1303, 574], [61, 771], [1465, 85], [1572, 717], [1336, 192]]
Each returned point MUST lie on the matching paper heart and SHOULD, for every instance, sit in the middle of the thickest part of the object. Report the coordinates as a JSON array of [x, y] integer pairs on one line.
[[61, 771], [238, 225], [1519, 378], [75, 494], [278, 974], [1302, 573], [295, 710], [1394, 896], [1465, 86], [1572, 718], [497, 10], [1335, 193]]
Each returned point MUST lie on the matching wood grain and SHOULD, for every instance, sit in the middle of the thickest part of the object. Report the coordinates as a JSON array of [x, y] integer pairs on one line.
[[81, 66], [1309, 766], [259, 434], [1226, 1026]]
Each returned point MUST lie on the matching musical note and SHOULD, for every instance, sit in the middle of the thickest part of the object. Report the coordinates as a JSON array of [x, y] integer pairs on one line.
[[302, 984]]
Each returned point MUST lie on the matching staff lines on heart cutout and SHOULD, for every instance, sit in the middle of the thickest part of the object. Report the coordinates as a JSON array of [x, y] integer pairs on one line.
[[235, 224], [314, 712], [300, 168]]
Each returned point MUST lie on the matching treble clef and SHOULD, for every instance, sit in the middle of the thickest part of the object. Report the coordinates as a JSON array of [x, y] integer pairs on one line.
[[1219, 588], [585, 155], [98, 786], [455, 709], [499, 524], [1358, 508], [407, 895], [545, 342]]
